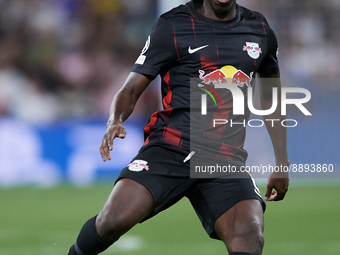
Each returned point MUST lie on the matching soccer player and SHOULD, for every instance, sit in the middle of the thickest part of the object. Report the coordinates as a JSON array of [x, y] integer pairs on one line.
[[217, 42]]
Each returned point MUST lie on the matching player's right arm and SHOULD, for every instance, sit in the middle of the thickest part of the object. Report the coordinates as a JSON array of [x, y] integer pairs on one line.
[[121, 108], [158, 53]]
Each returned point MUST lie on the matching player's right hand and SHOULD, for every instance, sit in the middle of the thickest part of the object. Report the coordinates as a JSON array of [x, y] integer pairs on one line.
[[113, 129]]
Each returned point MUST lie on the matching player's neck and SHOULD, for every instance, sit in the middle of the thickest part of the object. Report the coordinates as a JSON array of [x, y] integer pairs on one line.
[[217, 14]]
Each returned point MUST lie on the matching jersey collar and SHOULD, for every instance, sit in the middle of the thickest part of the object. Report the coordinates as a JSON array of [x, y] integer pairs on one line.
[[195, 4]]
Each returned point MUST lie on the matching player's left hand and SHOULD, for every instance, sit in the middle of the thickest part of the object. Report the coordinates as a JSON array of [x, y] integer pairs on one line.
[[277, 186]]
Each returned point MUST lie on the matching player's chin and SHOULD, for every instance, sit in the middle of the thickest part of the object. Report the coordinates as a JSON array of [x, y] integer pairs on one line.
[[225, 2], [223, 5]]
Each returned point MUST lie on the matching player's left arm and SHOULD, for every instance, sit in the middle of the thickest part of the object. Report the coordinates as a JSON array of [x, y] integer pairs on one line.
[[269, 75], [278, 182]]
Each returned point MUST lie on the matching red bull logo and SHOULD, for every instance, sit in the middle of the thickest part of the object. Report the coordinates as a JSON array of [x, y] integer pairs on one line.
[[227, 75], [223, 78], [241, 79], [216, 77], [138, 165]]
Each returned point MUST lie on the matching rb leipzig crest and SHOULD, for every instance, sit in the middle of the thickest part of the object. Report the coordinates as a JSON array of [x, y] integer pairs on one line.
[[253, 49], [138, 165]]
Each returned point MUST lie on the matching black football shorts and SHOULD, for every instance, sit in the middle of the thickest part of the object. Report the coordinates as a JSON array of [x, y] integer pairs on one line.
[[162, 171]]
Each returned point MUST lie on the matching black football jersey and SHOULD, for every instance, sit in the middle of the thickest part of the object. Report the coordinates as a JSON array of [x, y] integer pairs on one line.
[[185, 46]]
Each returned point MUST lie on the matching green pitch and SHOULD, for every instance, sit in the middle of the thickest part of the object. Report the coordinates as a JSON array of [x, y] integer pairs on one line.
[[46, 222]]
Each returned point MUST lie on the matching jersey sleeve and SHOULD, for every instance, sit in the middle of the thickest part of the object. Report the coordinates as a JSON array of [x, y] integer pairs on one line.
[[159, 50], [269, 64]]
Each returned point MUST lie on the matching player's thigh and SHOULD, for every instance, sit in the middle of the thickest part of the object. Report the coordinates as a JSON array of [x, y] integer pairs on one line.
[[212, 198], [128, 204], [241, 227], [243, 217]]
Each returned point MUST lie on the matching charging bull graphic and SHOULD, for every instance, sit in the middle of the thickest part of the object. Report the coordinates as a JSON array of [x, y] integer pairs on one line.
[[227, 75]]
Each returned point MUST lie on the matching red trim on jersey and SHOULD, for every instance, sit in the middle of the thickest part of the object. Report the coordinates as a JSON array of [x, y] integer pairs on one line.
[[264, 28], [146, 141], [175, 41], [192, 15], [168, 97], [152, 122], [166, 105], [193, 26], [216, 133], [181, 143], [207, 65], [217, 53], [239, 142], [172, 136], [225, 152], [232, 27]]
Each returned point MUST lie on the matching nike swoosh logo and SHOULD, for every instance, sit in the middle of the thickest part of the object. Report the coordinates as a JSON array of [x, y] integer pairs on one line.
[[192, 51]]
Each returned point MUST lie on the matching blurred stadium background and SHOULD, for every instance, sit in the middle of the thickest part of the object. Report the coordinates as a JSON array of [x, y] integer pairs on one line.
[[61, 62]]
